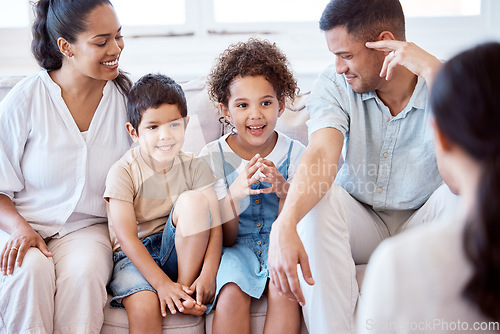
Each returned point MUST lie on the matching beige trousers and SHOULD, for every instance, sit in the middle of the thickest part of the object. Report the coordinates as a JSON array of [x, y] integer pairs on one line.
[[62, 294], [340, 232]]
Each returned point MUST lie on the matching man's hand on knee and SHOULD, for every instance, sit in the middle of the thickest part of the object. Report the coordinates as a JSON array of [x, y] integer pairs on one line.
[[285, 252]]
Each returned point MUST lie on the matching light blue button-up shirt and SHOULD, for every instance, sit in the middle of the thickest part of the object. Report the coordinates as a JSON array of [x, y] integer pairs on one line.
[[389, 162]]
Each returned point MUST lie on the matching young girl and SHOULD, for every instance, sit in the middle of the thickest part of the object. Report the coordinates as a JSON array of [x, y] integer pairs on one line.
[[443, 278], [253, 166]]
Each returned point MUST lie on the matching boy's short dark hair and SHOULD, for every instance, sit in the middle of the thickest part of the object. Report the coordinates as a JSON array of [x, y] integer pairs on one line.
[[366, 19], [151, 91]]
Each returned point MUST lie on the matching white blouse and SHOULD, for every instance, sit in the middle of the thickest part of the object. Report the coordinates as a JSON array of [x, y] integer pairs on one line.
[[414, 283], [55, 174]]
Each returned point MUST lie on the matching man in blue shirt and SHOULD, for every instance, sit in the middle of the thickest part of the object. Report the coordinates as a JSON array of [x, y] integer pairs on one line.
[[371, 105]]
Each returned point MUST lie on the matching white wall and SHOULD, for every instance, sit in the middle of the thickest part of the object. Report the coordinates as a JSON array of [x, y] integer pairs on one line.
[[189, 57]]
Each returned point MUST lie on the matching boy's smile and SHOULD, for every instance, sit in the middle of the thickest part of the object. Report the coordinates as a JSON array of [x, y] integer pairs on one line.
[[160, 135]]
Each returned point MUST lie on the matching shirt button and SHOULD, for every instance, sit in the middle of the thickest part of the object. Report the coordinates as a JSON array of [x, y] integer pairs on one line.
[[379, 190], [257, 201], [258, 252], [259, 242], [387, 118], [257, 183], [386, 155], [258, 224]]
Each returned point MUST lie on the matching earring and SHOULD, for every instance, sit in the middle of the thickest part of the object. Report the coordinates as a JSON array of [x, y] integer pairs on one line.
[[229, 125]]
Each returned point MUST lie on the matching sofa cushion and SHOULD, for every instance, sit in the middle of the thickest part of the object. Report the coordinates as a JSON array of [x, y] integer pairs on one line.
[[7, 83], [293, 121], [204, 125]]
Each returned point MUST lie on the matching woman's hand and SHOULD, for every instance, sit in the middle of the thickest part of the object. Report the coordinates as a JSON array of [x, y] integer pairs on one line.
[[13, 252], [272, 175]]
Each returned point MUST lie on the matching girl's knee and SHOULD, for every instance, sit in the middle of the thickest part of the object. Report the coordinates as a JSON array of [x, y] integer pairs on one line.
[[278, 301], [231, 295]]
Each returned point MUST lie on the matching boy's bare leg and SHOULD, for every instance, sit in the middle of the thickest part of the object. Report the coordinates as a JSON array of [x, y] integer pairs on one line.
[[143, 312], [283, 315], [232, 314], [191, 217]]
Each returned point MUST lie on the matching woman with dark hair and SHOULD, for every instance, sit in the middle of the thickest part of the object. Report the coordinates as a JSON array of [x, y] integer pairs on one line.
[[445, 277], [62, 129]]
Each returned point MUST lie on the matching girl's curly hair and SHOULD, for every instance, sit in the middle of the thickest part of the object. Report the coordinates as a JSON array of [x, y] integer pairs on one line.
[[251, 58]]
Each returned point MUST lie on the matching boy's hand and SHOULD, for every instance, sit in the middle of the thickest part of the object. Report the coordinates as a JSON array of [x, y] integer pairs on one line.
[[174, 296], [205, 289], [272, 175], [241, 187]]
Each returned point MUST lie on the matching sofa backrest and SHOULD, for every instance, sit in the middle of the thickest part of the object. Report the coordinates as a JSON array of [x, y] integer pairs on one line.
[[204, 125]]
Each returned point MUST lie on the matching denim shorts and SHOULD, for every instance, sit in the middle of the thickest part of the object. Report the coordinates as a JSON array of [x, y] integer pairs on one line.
[[127, 280]]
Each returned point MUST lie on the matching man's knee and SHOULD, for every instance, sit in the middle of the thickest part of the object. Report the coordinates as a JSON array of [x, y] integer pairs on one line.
[[329, 207]]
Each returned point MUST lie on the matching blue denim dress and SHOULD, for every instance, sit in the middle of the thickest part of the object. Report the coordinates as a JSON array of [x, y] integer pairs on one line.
[[245, 262]]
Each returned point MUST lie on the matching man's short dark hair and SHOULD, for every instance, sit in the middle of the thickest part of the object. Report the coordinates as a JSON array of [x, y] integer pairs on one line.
[[365, 19], [151, 91]]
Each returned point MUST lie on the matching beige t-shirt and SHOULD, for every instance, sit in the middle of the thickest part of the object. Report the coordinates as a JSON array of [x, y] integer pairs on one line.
[[153, 194]]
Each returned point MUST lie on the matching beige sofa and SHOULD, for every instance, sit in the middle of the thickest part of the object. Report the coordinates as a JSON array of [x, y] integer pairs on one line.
[[204, 127]]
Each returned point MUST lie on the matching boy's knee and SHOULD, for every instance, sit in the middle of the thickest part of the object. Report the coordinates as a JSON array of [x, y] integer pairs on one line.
[[192, 213], [189, 199], [143, 308]]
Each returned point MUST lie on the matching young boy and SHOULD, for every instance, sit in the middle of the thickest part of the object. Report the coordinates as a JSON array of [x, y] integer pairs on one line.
[[164, 219]]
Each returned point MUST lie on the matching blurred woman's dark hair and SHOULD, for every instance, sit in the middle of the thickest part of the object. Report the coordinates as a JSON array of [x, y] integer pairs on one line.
[[465, 100]]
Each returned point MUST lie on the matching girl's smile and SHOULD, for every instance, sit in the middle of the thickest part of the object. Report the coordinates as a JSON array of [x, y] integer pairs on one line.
[[256, 130]]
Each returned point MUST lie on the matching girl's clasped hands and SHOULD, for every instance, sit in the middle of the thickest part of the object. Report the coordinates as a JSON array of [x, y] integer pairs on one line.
[[257, 170]]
